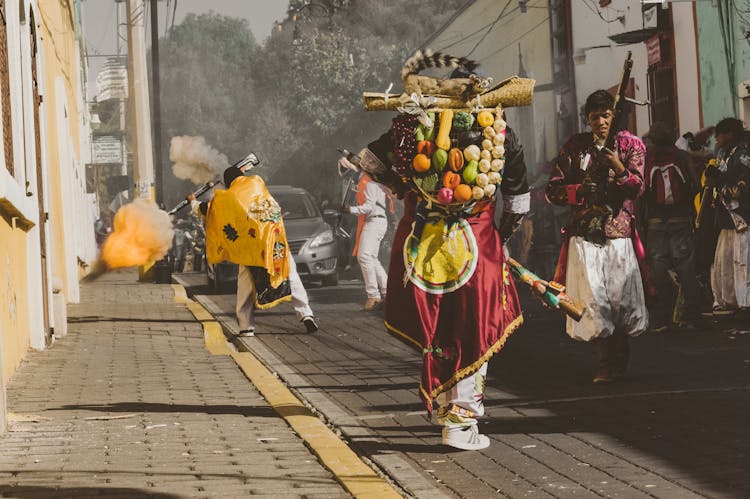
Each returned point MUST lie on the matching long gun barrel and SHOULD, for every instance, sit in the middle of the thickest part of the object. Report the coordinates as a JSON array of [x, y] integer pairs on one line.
[[198, 192], [619, 121], [241, 164], [551, 293], [599, 172]]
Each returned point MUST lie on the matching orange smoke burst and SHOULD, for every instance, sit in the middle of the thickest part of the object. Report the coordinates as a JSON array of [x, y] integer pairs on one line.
[[142, 233]]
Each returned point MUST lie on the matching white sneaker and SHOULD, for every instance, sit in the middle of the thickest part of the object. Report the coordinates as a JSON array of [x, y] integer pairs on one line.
[[465, 438], [247, 333]]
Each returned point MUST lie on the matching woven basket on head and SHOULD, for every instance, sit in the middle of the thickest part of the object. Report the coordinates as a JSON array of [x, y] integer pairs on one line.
[[511, 92]]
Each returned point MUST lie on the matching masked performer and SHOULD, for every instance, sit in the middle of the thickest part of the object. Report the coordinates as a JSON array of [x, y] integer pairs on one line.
[[244, 226], [450, 292], [598, 261], [730, 280]]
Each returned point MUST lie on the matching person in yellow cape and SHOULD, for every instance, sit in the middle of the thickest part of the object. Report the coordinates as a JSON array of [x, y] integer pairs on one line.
[[244, 226]]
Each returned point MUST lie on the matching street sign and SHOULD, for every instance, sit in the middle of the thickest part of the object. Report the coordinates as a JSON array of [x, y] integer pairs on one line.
[[107, 149]]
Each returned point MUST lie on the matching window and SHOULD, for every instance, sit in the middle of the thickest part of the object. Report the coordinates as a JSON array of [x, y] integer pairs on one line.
[[295, 205]]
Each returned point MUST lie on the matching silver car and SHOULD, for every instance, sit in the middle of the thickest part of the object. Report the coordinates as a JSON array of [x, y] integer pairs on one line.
[[310, 238]]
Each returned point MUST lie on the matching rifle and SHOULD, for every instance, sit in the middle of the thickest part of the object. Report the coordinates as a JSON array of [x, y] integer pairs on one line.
[[198, 192], [250, 158], [598, 172], [551, 293]]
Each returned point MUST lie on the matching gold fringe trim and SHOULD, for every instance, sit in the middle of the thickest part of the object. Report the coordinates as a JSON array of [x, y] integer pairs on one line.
[[466, 371], [403, 336], [273, 303]]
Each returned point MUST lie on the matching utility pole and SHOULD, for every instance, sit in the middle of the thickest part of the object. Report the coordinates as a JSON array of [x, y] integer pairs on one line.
[[121, 101], [158, 167], [140, 122]]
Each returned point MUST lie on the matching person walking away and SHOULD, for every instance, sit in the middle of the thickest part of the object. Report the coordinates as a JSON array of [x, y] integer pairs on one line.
[[730, 277], [373, 203], [598, 262], [267, 274], [670, 188]]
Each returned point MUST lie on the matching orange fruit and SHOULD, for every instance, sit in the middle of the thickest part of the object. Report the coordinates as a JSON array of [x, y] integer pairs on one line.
[[421, 163], [462, 193]]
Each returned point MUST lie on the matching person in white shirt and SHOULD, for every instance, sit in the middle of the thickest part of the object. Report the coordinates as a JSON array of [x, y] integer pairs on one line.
[[372, 203]]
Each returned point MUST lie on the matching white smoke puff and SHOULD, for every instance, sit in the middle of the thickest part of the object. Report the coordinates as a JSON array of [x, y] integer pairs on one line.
[[195, 160]]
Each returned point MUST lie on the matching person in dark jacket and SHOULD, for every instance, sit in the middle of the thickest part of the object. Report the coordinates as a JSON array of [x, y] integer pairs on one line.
[[730, 274]]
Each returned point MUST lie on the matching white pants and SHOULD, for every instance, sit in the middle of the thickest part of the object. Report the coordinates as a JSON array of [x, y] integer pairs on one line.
[[246, 296], [607, 281], [464, 402], [375, 277], [730, 279]]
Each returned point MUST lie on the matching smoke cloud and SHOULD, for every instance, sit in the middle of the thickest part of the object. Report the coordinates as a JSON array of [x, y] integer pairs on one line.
[[142, 233], [195, 160]]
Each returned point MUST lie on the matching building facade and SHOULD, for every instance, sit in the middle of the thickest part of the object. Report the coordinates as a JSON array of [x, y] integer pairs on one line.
[[46, 217], [723, 28], [508, 39]]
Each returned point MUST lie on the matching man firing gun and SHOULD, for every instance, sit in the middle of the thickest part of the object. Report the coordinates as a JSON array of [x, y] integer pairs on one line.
[[244, 226]]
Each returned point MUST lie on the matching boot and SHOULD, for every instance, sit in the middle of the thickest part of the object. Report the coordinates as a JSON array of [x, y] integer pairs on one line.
[[620, 351], [603, 374], [371, 304]]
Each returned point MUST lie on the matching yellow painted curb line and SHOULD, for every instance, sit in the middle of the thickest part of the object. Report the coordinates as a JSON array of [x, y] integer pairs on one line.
[[180, 295], [356, 477], [213, 336], [347, 467]]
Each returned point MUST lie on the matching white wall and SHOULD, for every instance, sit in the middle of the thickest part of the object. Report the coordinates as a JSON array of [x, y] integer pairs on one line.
[[686, 55], [34, 272], [603, 66]]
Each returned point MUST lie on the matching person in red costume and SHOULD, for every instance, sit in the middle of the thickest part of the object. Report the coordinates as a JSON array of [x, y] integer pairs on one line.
[[458, 327]]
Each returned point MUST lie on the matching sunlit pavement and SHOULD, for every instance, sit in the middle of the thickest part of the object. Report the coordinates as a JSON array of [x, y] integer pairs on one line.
[[675, 427], [131, 404]]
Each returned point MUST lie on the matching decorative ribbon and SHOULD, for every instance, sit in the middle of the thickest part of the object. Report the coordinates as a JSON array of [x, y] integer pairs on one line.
[[387, 91], [416, 105]]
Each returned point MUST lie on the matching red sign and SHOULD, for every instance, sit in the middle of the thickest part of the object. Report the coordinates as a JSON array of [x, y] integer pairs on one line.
[[653, 49]]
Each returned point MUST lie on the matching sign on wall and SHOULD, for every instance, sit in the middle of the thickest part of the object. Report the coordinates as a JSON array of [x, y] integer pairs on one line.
[[107, 150], [653, 50]]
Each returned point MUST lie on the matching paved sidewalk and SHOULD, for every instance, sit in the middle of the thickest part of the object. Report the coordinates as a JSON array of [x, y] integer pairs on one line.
[[131, 404]]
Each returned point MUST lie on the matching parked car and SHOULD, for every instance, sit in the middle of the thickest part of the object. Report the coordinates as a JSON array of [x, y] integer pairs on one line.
[[310, 239]]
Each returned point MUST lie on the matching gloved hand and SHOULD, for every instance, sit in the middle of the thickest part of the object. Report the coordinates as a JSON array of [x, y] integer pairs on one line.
[[190, 197], [733, 193]]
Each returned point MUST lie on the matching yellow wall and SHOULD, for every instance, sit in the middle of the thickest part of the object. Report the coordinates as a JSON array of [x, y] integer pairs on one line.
[[58, 45], [14, 325]]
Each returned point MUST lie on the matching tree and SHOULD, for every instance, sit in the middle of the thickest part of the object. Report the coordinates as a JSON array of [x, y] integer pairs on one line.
[[206, 83], [316, 68]]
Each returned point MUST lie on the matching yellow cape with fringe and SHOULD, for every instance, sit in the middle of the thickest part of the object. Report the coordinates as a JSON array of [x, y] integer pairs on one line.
[[244, 226]]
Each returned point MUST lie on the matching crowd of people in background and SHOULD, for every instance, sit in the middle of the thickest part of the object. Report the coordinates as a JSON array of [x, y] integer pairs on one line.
[[692, 220]]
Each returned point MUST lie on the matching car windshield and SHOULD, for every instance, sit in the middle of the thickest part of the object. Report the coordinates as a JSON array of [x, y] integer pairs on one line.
[[296, 205]]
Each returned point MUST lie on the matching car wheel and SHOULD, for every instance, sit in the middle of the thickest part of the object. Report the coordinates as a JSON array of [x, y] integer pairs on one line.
[[331, 280]]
